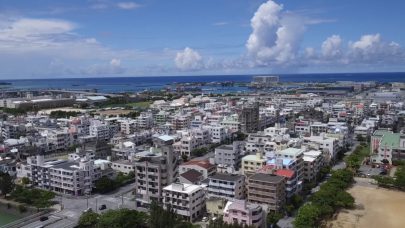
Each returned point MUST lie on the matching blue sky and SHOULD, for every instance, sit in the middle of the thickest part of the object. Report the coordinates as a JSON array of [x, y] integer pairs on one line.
[[40, 39]]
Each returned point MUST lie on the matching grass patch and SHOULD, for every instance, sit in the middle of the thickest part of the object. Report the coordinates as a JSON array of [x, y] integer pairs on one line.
[[141, 104]]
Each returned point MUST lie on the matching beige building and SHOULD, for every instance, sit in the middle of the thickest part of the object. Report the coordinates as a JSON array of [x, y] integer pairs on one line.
[[267, 189], [252, 163]]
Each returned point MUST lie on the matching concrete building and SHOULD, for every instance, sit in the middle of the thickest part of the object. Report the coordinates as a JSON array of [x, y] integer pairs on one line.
[[63, 176], [249, 118], [154, 169], [229, 155], [243, 213], [252, 163], [227, 186], [313, 162], [386, 145], [187, 200], [267, 189], [265, 81], [203, 166], [123, 166]]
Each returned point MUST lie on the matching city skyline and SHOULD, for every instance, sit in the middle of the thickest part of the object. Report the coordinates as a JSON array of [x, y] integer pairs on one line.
[[152, 38]]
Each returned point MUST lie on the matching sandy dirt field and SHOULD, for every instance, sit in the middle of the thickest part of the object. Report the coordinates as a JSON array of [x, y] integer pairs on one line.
[[375, 207]]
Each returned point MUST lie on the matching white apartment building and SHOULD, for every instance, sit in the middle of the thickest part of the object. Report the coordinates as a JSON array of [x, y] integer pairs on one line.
[[227, 186], [127, 126], [145, 120], [218, 133], [326, 144], [62, 176], [61, 139], [231, 122], [100, 130], [230, 155], [186, 145], [187, 200]]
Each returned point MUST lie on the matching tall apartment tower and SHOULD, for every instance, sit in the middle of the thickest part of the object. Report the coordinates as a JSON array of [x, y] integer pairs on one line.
[[154, 169], [249, 118]]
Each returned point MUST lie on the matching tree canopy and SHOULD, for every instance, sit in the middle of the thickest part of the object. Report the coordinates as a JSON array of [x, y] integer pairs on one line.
[[6, 183]]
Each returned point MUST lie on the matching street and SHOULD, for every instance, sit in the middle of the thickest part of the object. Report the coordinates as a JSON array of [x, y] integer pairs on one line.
[[73, 207]]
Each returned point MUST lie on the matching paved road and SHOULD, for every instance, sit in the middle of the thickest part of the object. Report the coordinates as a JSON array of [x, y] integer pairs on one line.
[[342, 164], [73, 207]]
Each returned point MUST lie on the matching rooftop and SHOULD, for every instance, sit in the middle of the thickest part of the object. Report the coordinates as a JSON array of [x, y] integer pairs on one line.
[[226, 177], [192, 175], [182, 188], [266, 177], [202, 163], [253, 157]]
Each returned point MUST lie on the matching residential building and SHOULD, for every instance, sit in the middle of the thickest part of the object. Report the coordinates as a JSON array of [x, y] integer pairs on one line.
[[230, 155], [243, 213], [313, 162], [187, 200], [63, 176], [154, 169], [249, 118], [386, 145], [227, 186], [203, 166], [252, 163], [267, 189]]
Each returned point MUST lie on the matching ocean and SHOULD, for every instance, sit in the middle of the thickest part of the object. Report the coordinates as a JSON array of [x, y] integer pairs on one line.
[[136, 84]]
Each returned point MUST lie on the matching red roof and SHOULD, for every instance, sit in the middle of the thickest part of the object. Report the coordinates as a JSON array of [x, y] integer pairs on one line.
[[203, 163], [285, 173]]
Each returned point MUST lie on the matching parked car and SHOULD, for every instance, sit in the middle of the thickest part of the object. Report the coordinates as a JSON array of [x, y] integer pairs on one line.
[[102, 207], [43, 218]]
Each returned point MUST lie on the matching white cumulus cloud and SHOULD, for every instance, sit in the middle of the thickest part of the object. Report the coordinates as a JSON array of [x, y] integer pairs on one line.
[[331, 47], [276, 35], [189, 60], [127, 5]]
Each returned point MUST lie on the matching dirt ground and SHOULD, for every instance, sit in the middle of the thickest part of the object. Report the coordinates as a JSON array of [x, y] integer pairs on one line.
[[375, 207]]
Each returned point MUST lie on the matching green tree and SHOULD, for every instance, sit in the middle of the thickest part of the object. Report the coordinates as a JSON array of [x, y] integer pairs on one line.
[[198, 152], [308, 216], [105, 184], [25, 181], [384, 181], [360, 138], [6, 183], [273, 218], [399, 178], [88, 220], [122, 218]]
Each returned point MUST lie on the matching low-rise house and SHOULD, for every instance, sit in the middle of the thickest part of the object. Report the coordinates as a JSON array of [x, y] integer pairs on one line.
[[203, 166], [191, 176], [243, 213]]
